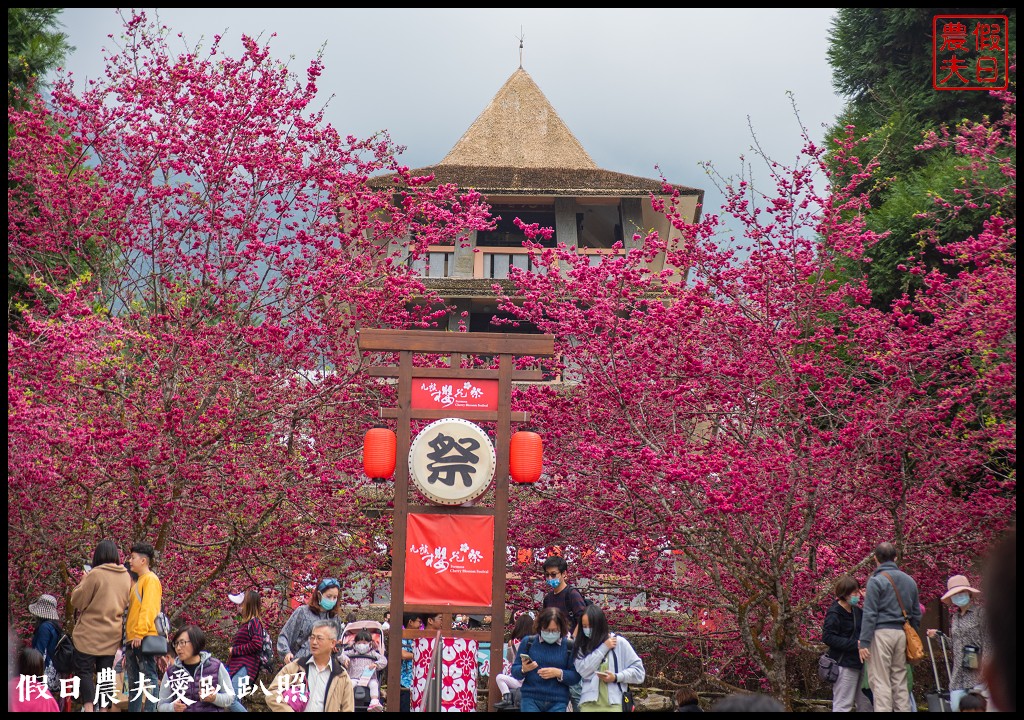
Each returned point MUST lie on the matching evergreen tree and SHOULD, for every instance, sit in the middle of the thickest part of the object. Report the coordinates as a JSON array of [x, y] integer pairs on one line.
[[882, 60], [34, 47]]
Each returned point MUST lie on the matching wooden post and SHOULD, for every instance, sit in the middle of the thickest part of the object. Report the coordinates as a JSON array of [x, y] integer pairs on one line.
[[506, 346]]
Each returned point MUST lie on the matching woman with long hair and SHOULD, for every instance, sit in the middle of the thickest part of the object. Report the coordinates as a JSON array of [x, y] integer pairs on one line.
[[248, 643], [606, 662], [506, 683], [323, 605], [100, 600]]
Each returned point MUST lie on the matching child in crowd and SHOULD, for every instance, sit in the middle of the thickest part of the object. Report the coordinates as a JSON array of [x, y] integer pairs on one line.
[[973, 702], [506, 683], [364, 661]]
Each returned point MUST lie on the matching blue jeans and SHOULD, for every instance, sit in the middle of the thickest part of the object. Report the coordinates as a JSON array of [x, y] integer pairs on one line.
[[574, 695], [236, 680], [136, 664], [529, 704]]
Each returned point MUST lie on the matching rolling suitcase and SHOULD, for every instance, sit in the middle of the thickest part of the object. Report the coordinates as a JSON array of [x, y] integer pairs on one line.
[[938, 701]]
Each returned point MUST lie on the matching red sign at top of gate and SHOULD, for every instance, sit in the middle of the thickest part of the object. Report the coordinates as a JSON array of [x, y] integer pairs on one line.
[[448, 394]]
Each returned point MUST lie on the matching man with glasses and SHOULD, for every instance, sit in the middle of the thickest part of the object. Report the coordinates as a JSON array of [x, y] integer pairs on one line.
[[569, 600], [562, 595], [327, 685]]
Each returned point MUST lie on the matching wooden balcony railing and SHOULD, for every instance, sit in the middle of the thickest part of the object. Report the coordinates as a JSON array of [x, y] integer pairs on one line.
[[492, 263]]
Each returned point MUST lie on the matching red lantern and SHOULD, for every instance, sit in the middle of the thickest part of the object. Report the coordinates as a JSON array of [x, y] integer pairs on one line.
[[525, 457], [380, 447]]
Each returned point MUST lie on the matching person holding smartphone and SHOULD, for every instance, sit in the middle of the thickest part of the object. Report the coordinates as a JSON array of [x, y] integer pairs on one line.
[[100, 600], [545, 664], [606, 662]]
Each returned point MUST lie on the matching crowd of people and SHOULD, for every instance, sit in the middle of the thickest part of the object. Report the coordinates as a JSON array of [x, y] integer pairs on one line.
[[866, 635], [563, 657]]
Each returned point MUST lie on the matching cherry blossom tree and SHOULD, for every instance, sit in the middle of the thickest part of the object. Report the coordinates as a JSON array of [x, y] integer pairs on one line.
[[731, 444], [205, 395], [721, 450]]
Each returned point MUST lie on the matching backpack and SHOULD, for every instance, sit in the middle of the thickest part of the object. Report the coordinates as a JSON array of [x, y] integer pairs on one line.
[[63, 655], [163, 623], [587, 602]]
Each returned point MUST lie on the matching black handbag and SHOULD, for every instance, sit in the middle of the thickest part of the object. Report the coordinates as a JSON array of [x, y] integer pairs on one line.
[[828, 669], [627, 701], [627, 695], [153, 645]]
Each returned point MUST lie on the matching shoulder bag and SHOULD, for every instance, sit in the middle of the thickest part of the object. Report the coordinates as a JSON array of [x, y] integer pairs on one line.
[[915, 648], [828, 666], [154, 644], [628, 705], [828, 669]]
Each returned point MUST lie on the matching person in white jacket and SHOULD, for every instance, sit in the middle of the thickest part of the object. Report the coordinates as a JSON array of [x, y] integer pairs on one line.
[[606, 662]]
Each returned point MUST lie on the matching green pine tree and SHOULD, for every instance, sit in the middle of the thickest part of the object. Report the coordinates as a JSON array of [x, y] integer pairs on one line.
[[882, 62]]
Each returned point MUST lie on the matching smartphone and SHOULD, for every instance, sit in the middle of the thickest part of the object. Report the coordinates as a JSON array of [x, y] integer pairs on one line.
[[87, 567], [526, 658]]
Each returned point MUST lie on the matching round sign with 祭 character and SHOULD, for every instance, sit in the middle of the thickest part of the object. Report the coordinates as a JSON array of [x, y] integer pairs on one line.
[[452, 461]]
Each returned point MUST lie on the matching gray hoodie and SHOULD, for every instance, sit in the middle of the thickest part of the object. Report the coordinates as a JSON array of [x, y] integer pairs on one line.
[[294, 636], [882, 609]]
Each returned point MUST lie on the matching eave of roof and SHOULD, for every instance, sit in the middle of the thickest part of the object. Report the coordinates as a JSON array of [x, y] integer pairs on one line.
[[489, 180]]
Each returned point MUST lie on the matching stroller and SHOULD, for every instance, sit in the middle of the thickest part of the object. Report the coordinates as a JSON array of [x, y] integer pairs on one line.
[[365, 669]]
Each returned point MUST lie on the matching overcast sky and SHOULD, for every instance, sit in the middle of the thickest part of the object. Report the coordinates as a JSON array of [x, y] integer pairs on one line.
[[639, 88]]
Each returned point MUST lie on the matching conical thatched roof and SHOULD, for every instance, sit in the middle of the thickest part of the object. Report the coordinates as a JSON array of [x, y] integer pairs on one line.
[[519, 146], [519, 129]]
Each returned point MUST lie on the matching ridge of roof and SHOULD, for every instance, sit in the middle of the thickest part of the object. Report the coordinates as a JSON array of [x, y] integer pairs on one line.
[[519, 128]]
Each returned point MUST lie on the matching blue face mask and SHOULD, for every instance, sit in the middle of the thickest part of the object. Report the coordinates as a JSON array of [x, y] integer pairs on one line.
[[854, 600], [328, 603], [587, 632], [554, 582], [961, 600], [549, 636]]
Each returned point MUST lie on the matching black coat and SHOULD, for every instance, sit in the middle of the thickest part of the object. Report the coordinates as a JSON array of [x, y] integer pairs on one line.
[[840, 632]]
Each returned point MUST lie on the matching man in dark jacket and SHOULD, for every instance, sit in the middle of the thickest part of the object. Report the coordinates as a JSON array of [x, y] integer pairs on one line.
[[841, 631], [883, 645]]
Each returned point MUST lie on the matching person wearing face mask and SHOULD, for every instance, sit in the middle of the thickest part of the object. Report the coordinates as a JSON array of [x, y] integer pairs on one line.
[[840, 632], [606, 662], [569, 600], [545, 664], [293, 639], [364, 662], [967, 637]]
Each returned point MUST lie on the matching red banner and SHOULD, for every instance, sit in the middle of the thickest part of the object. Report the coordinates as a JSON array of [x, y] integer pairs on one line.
[[449, 559], [438, 394]]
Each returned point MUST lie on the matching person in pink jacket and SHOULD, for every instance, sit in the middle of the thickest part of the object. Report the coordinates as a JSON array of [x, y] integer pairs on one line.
[[28, 692]]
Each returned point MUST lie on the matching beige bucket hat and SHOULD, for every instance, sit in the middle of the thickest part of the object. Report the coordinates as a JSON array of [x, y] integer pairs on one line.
[[958, 584]]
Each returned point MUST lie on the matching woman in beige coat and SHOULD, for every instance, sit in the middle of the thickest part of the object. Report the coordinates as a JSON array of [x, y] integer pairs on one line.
[[100, 600]]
